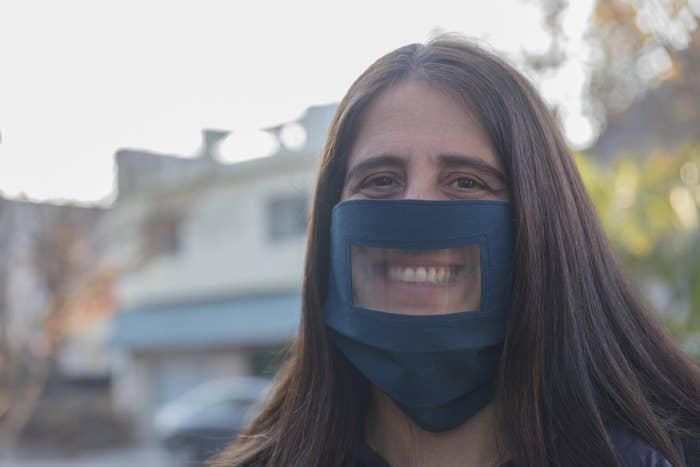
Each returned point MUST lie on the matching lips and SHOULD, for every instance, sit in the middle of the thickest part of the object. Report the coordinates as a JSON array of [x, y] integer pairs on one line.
[[416, 282]]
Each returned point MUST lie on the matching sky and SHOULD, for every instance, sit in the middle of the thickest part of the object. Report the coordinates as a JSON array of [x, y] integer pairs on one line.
[[80, 79]]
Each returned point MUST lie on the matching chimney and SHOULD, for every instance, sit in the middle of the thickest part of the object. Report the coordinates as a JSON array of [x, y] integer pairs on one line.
[[210, 144]]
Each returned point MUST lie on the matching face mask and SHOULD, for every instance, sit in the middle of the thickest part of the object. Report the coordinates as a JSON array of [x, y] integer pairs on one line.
[[418, 300]]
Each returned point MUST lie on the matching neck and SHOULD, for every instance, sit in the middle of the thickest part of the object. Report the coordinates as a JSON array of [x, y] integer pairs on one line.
[[403, 444]]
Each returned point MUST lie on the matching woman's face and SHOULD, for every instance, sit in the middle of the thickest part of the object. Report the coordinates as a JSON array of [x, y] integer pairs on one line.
[[418, 142]]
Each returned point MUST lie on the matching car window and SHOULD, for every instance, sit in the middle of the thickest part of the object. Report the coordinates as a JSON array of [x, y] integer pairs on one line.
[[237, 403]]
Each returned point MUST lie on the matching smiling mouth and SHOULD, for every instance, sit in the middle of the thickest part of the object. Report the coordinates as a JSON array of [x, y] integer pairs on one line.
[[437, 275]]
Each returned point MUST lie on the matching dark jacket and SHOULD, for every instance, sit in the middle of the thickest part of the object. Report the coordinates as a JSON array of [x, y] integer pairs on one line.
[[632, 450]]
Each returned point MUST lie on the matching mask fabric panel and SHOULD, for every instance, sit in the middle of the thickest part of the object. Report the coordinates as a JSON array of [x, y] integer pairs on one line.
[[418, 300]]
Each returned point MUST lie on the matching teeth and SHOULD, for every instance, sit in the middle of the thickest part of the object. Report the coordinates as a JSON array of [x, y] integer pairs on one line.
[[432, 275], [441, 274]]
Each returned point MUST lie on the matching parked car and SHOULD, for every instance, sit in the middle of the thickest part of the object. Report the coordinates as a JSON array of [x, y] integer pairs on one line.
[[205, 419]]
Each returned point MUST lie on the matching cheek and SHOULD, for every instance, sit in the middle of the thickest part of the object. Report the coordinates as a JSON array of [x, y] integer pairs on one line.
[[345, 193], [336, 183]]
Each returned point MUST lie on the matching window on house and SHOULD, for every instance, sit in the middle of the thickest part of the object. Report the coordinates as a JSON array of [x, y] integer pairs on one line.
[[161, 233], [287, 217]]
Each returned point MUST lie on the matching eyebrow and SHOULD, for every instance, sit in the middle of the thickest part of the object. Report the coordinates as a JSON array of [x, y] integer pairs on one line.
[[374, 162], [446, 160], [458, 160]]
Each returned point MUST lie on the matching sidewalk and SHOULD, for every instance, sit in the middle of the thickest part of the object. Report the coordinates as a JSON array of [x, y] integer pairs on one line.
[[134, 456]]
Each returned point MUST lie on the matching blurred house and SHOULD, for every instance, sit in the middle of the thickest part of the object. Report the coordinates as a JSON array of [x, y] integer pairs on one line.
[[212, 263]]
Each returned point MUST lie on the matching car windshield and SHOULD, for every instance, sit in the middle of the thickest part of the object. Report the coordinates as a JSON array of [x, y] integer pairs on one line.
[[223, 392]]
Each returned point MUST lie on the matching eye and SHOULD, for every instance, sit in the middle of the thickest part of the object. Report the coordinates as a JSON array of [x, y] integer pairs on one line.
[[468, 183], [378, 181], [380, 185]]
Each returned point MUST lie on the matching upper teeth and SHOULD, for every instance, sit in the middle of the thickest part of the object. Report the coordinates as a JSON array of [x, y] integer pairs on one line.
[[433, 275]]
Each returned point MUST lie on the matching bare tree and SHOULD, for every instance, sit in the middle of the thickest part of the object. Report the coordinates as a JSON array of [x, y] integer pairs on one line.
[[638, 45], [5, 223], [62, 257]]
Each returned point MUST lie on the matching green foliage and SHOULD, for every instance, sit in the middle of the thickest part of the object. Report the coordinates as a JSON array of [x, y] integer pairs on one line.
[[650, 209]]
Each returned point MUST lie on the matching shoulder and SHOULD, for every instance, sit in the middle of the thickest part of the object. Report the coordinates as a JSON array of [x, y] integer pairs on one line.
[[634, 451]]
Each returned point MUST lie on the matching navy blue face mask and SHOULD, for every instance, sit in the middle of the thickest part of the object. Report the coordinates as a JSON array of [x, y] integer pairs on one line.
[[418, 300]]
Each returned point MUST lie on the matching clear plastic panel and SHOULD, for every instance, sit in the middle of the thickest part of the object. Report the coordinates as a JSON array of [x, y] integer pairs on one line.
[[417, 282]]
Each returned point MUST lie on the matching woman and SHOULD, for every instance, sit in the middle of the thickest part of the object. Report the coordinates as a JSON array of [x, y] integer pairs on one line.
[[460, 304]]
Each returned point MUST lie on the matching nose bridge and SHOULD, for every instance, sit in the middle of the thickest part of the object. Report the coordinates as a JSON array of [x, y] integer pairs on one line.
[[416, 192], [422, 183]]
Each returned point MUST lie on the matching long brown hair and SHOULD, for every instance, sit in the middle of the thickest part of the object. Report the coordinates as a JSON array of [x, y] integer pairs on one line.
[[581, 354]]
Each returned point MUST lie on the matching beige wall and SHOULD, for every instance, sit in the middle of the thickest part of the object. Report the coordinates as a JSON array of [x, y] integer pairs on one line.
[[225, 249]]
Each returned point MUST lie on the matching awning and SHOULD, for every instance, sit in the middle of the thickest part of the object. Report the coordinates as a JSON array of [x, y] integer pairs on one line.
[[248, 321]]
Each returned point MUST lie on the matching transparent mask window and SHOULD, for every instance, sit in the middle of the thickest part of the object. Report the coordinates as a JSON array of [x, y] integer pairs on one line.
[[417, 282]]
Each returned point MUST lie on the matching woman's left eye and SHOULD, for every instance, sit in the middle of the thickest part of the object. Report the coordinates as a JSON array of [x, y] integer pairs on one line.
[[467, 183]]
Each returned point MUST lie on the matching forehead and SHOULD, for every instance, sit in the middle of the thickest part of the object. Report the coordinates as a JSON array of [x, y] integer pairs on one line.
[[416, 120]]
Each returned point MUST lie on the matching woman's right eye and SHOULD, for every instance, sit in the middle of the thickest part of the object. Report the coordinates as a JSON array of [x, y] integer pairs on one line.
[[381, 180], [379, 184]]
